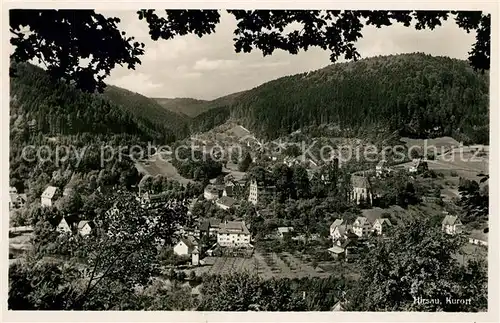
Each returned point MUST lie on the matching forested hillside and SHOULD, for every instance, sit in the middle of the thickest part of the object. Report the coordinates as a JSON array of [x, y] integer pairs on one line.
[[210, 119], [193, 107], [59, 109], [416, 94], [184, 106]]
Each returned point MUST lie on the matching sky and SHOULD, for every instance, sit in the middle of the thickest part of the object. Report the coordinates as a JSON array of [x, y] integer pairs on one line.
[[208, 67]]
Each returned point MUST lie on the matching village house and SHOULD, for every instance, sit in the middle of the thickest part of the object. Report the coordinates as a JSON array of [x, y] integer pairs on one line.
[[228, 190], [361, 190], [304, 237], [347, 250], [211, 192], [257, 190], [209, 227], [337, 307], [16, 200], [283, 231], [254, 191], [85, 228], [311, 174], [226, 203], [152, 201], [106, 189], [188, 246], [334, 226], [451, 225], [380, 225], [191, 205], [233, 234], [380, 168], [32, 126], [67, 224], [362, 226], [478, 237], [290, 161], [418, 165], [342, 232], [49, 196]]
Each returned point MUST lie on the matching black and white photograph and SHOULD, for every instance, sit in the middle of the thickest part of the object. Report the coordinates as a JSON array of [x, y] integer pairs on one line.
[[249, 160]]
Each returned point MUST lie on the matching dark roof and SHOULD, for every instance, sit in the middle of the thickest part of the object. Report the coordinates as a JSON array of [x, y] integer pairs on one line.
[[212, 189], [233, 227], [360, 181], [190, 242], [346, 230], [347, 243], [229, 189], [157, 197], [362, 220], [71, 220], [383, 221], [209, 223], [227, 201]]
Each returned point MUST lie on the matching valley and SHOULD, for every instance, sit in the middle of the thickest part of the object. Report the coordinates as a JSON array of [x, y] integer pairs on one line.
[[243, 201]]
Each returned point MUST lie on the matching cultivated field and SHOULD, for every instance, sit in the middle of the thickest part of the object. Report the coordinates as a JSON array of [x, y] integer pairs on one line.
[[269, 265], [440, 142], [155, 166]]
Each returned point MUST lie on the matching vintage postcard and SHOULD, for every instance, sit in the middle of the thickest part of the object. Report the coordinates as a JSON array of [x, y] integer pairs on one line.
[[266, 162]]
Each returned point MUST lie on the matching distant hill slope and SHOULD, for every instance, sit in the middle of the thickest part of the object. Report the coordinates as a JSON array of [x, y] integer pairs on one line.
[[58, 108], [194, 107], [144, 107], [417, 95], [184, 106]]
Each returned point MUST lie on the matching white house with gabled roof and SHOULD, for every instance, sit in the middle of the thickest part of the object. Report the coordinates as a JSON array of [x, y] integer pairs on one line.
[[49, 196], [361, 226], [85, 228], [451, 224], [380, 225]]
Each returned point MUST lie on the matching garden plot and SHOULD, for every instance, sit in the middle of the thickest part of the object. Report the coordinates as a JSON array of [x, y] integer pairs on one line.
[[302, 264]]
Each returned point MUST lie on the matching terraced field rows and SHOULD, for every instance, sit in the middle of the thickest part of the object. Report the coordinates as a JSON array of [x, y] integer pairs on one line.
[[266, 265]]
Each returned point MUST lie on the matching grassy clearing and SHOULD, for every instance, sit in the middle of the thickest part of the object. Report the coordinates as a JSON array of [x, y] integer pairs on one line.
[[445, 142], [157, 166]]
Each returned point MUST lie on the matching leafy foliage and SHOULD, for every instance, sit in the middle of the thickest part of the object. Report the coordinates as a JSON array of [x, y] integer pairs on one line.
[[120, 256], [196, 164], [243, 292], [418, 261], [245, 163], [474, 200], [397, 189], [62, 38]]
